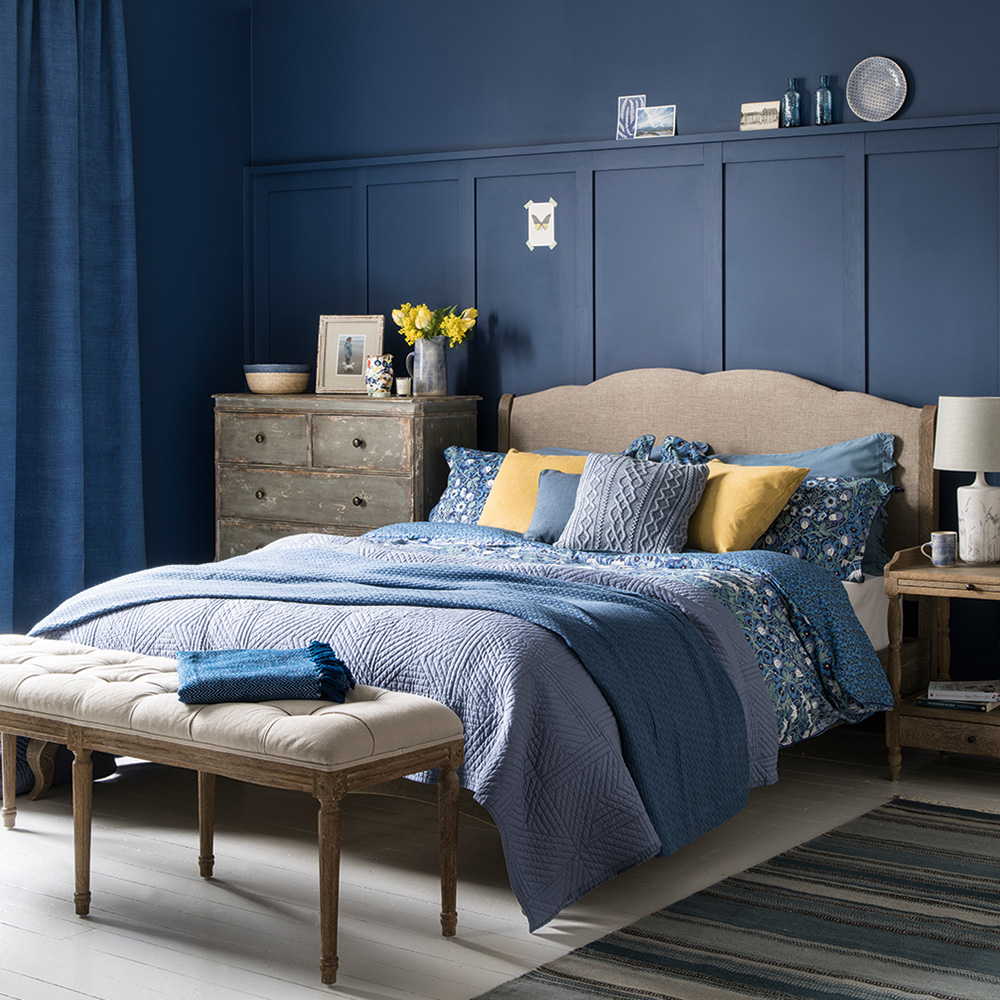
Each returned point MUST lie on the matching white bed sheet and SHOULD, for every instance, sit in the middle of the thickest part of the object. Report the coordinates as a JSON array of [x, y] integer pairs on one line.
[[871, 605]]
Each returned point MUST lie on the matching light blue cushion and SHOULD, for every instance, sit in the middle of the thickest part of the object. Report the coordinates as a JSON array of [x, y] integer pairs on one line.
[[828, 521], [861, 458], [625, 505], [556, 496]]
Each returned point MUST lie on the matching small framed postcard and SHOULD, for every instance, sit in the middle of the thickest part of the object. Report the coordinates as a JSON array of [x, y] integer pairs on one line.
[[627, 109], [661, 119], [344, 342], [760, 115]]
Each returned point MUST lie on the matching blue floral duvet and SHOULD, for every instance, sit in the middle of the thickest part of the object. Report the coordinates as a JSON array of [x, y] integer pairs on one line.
[[545, 752]]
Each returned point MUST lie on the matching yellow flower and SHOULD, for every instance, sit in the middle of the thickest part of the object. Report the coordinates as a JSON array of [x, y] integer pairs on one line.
[[422, 318]]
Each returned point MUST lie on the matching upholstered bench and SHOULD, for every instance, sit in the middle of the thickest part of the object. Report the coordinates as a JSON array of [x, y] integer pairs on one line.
[[126, 704]]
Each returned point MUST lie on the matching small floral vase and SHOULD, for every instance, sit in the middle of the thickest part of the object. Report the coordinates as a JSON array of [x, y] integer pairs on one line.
[[428, 366], [378, 375]]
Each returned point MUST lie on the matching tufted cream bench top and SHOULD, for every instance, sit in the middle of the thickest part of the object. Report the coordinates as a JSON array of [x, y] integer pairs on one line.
[[126, 703]]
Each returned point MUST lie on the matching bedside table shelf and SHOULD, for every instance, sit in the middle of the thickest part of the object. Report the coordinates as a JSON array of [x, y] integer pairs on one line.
[[910, 573]]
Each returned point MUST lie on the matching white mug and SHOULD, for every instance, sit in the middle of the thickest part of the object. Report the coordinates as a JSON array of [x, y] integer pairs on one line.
[[943, 548]]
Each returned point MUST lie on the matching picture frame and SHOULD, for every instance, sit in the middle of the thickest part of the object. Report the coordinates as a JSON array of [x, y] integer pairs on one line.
[[654, 122], [757, 115], [344, 343]]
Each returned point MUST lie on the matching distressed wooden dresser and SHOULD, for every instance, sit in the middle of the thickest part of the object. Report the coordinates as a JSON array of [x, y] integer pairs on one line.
[[333, 463]]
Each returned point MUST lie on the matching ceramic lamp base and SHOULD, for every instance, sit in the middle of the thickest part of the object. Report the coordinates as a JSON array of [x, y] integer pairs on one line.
[[979, 522]]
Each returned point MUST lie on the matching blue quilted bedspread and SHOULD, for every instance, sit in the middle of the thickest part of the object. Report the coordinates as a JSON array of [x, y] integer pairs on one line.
[[546, 742]]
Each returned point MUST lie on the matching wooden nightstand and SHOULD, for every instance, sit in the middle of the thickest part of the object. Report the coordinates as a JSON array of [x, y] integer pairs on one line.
[[908, 724], [330, 463]]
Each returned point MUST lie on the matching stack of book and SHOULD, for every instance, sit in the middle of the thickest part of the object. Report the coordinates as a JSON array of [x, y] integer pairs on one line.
[[965, 696]]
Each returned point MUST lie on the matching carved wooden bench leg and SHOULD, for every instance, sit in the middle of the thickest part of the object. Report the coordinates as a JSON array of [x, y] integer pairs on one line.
[[8, 750], [83, 804], [448, 833], [206, 823], [41, 756], [329, 790]]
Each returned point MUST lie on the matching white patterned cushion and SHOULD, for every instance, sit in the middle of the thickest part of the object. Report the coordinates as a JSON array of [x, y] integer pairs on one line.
[[624, 505]]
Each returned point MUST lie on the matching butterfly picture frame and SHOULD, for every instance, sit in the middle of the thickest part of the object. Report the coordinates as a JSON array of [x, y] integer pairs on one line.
[[541, 223]]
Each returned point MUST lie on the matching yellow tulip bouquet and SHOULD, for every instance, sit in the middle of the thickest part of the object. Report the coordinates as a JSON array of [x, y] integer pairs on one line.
[[416, 322]]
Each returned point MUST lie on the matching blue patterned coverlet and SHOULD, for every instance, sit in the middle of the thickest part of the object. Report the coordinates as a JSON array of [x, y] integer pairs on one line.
[[543, 748]]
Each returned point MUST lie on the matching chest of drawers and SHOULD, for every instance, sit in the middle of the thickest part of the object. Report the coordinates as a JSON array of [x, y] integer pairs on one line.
[[337, 464]]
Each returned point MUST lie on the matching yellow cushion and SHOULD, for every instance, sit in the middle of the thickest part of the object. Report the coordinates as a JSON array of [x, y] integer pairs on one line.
[[739, 503], [512, 498]]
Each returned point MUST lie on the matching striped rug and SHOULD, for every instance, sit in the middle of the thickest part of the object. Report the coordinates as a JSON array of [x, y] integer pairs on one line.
[[901, 903]]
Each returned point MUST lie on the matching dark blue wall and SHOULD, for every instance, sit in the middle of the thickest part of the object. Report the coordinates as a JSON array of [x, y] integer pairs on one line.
[[189, 83]]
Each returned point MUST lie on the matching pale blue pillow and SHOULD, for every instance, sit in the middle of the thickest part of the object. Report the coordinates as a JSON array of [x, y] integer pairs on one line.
[[556, 496], [861, 458], [625, 505]]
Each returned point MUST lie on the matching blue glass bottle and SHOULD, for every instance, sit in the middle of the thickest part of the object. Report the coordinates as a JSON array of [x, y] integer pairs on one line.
[[824, 102], [791, 104]]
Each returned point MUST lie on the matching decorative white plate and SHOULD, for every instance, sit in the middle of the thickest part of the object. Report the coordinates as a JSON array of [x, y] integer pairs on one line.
[[876, 89]]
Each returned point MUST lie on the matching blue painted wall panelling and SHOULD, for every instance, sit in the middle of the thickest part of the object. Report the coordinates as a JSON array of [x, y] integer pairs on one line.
[[528, 337], [650, 269], [413, 253], [305, 270], [933, 271], [786, 301]]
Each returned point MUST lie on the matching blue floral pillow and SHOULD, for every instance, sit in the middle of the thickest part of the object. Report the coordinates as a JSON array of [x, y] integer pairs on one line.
[[469, 483], [472, 472], [676, 449], [827, 521]]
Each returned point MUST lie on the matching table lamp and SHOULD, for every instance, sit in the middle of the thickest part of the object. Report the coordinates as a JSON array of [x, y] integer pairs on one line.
[[968, 440]]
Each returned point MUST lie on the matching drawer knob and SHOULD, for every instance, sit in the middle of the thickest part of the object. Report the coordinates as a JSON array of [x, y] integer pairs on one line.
[[357, 442], [970, 586], [357, 501], [970, 739], [259, 438], [260, 494]]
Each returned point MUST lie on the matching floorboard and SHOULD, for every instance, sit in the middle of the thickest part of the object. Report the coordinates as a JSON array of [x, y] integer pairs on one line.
[[157, 930]]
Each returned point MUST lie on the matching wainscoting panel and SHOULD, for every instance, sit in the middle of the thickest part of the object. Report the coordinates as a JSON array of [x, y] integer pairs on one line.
[[302, 266], [933, 266], [790, 298], [863, 256], [412, 251], [649, 269]]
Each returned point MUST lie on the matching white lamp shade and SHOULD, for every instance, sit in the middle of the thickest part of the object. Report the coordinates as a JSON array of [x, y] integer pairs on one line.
[[968, 434]]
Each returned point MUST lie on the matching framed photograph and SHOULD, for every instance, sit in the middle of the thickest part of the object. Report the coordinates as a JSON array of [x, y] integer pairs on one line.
[[344, 342], [759, 115], [656, 121]]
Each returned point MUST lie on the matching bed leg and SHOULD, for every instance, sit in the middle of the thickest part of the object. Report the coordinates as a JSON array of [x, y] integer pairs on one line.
[[206, 823], [448, 826], [8, 750], [83, 801], [329, 792], [41, 757]]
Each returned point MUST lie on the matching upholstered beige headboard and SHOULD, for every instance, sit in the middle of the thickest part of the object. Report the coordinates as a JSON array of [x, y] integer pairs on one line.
[[742, 412]]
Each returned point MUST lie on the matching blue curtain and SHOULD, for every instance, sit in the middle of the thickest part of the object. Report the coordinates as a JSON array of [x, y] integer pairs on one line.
[[70, 474]]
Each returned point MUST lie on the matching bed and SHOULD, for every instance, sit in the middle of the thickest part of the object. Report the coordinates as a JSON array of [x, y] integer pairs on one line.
[[616, 704]]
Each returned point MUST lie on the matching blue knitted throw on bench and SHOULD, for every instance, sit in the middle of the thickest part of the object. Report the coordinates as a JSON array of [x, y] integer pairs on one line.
[[214, 675]]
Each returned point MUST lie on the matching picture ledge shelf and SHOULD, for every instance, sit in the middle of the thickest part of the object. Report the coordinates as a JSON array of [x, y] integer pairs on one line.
[[803, 131]]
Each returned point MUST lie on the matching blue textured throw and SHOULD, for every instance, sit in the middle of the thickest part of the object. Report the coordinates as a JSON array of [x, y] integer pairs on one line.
[[683, 729], [216, 675]]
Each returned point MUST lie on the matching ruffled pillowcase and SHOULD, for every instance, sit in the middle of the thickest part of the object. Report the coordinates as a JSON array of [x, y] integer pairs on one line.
[[472, 474], [827, 521], [624, 505]]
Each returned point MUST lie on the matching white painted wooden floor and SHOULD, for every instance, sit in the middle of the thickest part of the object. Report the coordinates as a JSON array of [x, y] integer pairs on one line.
[[158, 930]]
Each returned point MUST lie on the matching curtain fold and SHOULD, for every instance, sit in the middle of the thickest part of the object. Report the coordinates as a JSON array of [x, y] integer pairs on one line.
[[70, 471]]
